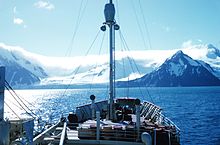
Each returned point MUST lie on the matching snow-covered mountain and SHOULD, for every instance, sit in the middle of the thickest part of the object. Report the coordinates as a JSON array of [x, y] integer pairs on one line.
[[145, 62], [94, 68], [19, 71], [11, 54], [179, 70], [18, 76]]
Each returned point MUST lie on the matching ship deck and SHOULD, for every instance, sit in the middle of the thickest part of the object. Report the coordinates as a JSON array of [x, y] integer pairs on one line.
[[72, 137], [124, 130], [109, 134]]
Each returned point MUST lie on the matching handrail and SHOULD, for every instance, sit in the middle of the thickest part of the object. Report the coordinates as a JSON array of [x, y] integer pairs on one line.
[[63, 135], [39, 138], [168, 121], [151, 110]]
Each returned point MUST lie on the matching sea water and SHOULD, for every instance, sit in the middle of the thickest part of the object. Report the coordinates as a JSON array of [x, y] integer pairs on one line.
[[195, 110]]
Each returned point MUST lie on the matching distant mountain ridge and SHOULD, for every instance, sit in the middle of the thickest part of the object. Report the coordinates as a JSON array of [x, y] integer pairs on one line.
[[27, 69], [179, 70], [17, 75], [20, 72]]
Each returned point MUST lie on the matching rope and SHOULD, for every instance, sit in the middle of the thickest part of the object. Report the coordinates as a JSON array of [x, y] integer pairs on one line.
[[15, 104], [8, 87], [100, 48], [19, 103], [79, 19], [123, 62], [12, 110], [145, 24], [117, 11], [124, 74], [132, 60], [138, 23], [77, 69]]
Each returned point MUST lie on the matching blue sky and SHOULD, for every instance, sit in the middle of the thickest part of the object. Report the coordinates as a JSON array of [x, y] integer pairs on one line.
[[47, 27]]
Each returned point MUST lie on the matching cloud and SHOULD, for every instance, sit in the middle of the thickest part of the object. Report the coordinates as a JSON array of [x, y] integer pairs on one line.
[[199, 40], [44, 5], [15, 10], [18, 21], [187, 44]]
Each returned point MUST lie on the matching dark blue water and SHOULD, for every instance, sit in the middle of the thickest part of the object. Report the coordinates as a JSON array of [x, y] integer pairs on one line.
[[196, 111]]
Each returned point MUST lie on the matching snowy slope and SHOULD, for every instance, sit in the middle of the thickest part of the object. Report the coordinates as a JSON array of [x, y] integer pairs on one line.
[[179, 70], [22, 58], [94, 68], [17, 75]]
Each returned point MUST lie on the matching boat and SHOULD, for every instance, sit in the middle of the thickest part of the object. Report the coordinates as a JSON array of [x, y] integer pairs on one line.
[[117, 120]]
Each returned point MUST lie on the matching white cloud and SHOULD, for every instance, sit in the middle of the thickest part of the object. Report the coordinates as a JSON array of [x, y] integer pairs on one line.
[[15, 10], [18, 21], [44, 5], [187, 44], [199, 40]]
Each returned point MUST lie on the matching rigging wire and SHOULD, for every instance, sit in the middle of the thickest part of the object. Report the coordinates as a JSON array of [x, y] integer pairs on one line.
[[138, 23], [19, 103], [132, 60], [12, 111], [145, 25], [24, 100], [9, 88], [123, 61], [78, 21], [77, 69], [15, 104], [100, 48], [124, 72], [142, 36], [117, 12]]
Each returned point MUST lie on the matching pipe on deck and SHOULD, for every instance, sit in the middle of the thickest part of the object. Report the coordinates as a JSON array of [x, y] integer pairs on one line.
[[39, 138], [63, 135]]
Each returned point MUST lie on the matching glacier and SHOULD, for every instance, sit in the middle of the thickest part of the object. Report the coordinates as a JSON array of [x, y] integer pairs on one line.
[[94, 68]]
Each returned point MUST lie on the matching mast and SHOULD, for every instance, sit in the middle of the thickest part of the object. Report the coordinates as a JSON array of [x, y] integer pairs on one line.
[[4, 124], [2, 89], [109, 12]]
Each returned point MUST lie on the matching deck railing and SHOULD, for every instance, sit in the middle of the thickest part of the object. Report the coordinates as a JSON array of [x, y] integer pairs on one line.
[[167, 122], [152, 112]]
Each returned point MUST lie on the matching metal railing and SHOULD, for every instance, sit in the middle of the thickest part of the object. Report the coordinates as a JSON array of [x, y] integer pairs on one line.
[[153, 112]]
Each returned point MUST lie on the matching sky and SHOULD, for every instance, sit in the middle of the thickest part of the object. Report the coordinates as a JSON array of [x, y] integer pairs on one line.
[[68, 28]]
